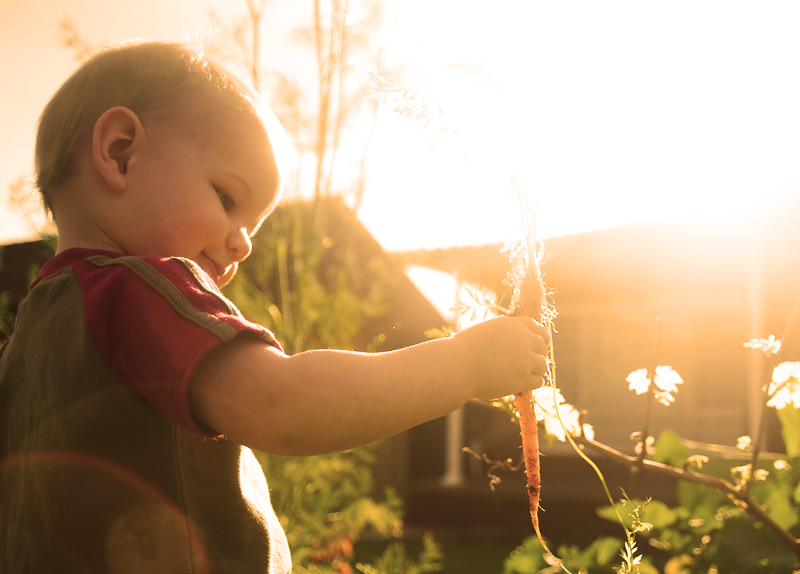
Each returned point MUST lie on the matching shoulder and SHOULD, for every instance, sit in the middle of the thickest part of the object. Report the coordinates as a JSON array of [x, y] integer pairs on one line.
[[170, 277], [180, 271], [113, 285]]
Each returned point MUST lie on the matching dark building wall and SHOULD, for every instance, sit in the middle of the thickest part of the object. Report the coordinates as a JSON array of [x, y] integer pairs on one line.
[[19, 264]]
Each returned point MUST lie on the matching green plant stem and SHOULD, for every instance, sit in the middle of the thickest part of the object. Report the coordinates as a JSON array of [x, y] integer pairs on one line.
[[286, 293], [338, 56], [642, 446], [651, 392], [762, 422], [759, 439], [718, 484], [323, 108], [254, 12]]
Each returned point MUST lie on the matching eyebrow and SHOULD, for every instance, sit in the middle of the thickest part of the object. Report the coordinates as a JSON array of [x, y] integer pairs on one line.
[[242, 181]]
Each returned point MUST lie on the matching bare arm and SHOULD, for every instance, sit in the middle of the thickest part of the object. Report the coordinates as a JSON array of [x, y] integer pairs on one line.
[[327, 400]]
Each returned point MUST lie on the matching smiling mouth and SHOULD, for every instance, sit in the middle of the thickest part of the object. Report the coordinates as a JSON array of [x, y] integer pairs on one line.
[[221, 276]]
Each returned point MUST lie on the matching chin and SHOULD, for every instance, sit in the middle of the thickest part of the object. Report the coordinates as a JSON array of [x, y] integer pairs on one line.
[[228, 277]]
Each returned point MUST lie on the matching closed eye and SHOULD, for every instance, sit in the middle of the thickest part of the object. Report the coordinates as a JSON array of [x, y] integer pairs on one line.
[[227, 203]]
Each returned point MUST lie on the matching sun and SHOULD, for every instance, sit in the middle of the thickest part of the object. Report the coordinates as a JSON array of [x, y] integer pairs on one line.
[[602, 115]]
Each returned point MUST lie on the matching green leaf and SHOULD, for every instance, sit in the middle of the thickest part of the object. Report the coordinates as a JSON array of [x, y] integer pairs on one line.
[[790, 429], [659, 515], [607, 549], [523, 564], [527, 559], [609, 513], [604, 551], [670, 450], [777, 498], [745, 549], [655, 512], [701, 501]]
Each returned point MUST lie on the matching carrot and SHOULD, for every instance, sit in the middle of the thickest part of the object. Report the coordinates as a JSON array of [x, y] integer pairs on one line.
[[530, 451], [531, 303], [531, 296]]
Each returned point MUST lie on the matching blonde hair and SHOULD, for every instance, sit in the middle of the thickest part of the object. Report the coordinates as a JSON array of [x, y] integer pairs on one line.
[[132, 75]]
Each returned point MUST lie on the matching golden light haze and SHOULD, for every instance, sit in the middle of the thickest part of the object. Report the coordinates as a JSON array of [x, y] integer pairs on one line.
[[610, 112]]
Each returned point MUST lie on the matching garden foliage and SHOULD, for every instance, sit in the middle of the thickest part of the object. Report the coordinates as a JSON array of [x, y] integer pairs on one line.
[[734, 515]]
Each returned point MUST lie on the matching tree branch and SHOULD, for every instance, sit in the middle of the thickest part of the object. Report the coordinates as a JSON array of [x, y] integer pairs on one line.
[[718, 484]]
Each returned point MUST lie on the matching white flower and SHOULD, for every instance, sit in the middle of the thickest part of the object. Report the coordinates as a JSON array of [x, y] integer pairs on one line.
[[769, 346], [786, 371], [781, 464], [761, 474], [557, 423], [781, 398], [744, 442], [639, 381], [664, 398], [741, 473], [667, 379], [784, 389], [666, 382]]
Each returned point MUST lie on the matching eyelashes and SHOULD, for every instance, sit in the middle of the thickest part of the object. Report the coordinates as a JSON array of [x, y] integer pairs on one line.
[[227, 203]]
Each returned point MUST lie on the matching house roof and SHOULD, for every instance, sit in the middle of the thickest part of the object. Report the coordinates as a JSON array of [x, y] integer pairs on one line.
[[660, 258]]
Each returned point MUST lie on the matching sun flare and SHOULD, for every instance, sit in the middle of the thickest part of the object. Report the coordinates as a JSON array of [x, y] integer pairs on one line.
[[603, 115], [608, 112]]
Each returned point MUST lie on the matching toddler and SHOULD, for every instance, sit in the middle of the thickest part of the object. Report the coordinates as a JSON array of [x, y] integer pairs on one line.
[[132, 390]]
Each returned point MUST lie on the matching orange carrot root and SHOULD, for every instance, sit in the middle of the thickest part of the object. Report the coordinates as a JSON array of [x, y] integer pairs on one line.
[[531, 295], [531, 302], [530, 450]]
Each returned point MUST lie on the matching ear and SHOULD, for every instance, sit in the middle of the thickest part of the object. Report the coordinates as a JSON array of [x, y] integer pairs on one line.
[[118, 135]]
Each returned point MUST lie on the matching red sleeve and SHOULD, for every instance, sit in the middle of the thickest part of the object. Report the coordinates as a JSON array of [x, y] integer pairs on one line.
[[153, 320]]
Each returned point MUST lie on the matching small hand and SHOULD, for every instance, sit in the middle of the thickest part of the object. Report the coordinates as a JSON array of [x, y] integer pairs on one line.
[[509, 354]]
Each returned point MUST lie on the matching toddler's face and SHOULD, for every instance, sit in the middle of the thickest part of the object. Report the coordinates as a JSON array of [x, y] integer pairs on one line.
[[201, 191]]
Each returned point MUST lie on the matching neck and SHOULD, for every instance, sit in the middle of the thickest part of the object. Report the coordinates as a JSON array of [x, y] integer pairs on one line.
[[71, 241], [78, 224]]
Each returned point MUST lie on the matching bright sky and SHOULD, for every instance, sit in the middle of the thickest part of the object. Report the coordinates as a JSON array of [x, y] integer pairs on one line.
[[610, 111]]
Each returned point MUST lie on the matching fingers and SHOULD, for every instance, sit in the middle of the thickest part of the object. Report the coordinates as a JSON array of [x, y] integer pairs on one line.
[[540, 346], [536, 328], [541, 338], [540, 365], [537, 381], [536, 333], [510, 354], [535, 377], [540, 362], [532, 364]]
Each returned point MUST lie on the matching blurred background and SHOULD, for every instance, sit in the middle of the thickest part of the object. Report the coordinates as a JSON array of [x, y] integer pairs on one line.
[[657, 145]]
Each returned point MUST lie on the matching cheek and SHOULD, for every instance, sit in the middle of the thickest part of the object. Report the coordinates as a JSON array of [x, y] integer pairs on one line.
[[207, 224], [202, 214]]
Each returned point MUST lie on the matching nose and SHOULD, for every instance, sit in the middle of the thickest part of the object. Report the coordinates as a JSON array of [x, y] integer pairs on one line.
[[239, 242]]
